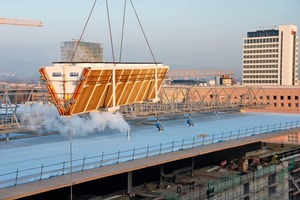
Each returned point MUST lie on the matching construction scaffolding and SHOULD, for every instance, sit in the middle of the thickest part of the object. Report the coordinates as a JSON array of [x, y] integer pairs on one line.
[[277, 178], [217, 95], [189, 100], [11, 110]]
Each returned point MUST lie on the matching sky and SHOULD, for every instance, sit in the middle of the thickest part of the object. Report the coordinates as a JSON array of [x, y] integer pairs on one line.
[[184, 34]]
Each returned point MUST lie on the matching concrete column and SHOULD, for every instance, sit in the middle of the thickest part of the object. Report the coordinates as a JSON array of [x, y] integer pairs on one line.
[[160, 177], [193, 166], [129, 182]]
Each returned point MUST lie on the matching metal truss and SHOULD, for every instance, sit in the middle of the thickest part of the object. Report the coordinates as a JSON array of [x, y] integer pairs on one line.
[[188, 100]]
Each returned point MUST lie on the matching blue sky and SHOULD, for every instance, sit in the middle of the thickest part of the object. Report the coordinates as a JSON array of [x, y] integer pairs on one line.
[[184, 34]]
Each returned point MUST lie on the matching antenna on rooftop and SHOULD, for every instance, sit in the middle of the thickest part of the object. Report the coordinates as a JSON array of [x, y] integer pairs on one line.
[[267, 27]]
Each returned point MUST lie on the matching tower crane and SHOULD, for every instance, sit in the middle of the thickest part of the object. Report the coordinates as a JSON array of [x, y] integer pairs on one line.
[[20, 22]]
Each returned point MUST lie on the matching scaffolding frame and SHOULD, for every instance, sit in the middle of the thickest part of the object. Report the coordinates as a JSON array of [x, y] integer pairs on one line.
[[275, 181], [189, 100], [10, 119]]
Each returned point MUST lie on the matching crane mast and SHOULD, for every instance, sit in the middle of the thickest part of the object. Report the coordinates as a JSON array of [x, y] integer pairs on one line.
[[20, 22]]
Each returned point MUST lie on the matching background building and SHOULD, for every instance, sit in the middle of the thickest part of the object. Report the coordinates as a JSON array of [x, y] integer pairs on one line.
[[86, 52], [270, 57], [277, 99]]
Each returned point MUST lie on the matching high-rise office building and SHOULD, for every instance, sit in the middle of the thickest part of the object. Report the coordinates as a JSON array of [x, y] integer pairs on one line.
[[270, 56], [85, 52]]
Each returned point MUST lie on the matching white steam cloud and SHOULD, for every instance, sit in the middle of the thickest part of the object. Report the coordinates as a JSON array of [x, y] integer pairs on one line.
[[46, 118]]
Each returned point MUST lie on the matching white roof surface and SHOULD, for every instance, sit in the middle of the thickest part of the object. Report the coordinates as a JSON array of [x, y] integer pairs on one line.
[[107, 133]]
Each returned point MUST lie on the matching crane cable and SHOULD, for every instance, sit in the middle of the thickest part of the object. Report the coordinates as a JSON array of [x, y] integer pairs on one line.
[[143, 31], [87, 21], [110, 32], [140, 24], [123, 27]]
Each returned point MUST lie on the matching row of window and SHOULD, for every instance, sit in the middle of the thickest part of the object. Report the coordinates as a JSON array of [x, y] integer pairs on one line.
[[296, 105], [81, 53], [259, 66], [293, 138], [260, 76], [259, 71], [260, 51], [260, 46], [58, 74], [288, 97], [84, 54], [271, 189], [261, 56], [261, 40], [263, 33], [260, 81], [260, 61], [281, 97]]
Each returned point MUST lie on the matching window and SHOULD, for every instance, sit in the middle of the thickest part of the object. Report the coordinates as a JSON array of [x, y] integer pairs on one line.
[[56, 74], [282, 104], [275, 104], [246, 188], [292, 138], [296, 97], [272, 190], [74, 74], [274, 97], [296, 105], [272, 179], [281, 97], [289, 97], [289, 105]]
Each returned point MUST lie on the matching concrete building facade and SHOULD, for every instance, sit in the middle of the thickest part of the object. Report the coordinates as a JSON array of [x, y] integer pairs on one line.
[[270, 57], [85, 52]]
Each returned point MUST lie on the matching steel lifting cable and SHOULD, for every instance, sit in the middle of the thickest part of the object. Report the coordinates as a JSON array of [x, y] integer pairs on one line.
[[110, 31], [110, 34], [87, 21], [122, 35], [143, 31]]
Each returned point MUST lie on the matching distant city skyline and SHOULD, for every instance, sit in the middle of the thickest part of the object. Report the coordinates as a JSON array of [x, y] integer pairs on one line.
[[191, 34]]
